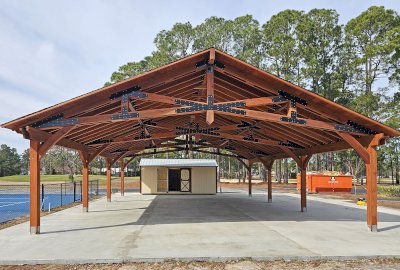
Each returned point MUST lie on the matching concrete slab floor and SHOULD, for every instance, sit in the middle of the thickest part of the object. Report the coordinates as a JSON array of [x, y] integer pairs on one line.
[[226, 226]]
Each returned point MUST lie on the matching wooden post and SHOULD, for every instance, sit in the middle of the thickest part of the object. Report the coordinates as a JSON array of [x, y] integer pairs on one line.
[[85, 180], [370, 158], [249, 176], [268, 166], [303, 190], [34, 206], [122, 168], [85, 187], [372, 208], [108, 165]]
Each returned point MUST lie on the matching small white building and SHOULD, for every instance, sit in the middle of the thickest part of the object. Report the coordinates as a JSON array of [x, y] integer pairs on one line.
[[178, 176]]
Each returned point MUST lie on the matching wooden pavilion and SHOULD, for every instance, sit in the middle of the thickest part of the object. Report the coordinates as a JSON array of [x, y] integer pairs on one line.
[[209, 99]]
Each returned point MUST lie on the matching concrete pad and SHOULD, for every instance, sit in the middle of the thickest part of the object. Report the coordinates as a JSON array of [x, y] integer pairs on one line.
[[226, 226]]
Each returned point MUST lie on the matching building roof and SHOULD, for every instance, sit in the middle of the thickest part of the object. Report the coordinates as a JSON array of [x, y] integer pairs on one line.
[[216, 98], [148, 162]]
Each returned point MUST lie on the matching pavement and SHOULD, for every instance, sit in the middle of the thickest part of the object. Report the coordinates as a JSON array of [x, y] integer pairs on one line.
[[226, 226]]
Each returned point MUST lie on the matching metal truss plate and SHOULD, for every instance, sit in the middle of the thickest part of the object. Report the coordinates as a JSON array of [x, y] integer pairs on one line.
[[286, 96], [124, 116], [100, 141], [54, 121], [125, 92], [197, 130], [293, 120], [291, 144], [195, 106]]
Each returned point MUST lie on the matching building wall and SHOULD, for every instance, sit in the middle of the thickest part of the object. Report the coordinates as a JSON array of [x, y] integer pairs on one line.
[[203, 180]]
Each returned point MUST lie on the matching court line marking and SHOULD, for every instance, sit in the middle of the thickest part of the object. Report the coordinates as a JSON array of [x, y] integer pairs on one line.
[[13, 204]]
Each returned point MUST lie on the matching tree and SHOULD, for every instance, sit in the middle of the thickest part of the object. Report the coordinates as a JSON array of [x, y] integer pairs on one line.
[[246, 36], [319, 36], [214, 32], [280, 46], [9, 161], [175, 43], [25, 161], [371, 37]]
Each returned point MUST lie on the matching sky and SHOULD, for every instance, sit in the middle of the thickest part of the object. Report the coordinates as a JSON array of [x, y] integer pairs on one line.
[[51, 51]]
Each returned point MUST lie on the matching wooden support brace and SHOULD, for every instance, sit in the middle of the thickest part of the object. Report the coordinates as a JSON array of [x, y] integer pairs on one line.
[[55, 138], [356, 145]]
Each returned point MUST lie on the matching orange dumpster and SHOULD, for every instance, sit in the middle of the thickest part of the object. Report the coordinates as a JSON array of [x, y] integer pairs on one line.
[[327, 183]]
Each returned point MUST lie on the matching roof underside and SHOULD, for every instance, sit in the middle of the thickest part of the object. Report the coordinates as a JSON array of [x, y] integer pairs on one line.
[[142, 112]]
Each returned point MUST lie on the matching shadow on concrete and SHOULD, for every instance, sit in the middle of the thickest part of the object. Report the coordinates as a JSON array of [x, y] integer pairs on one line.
[[178, 209]]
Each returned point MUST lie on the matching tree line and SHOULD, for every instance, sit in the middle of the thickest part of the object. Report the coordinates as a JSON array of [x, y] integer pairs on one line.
[[355, 65]]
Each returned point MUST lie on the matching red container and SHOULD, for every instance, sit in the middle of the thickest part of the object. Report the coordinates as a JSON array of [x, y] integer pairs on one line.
[[327, 183]]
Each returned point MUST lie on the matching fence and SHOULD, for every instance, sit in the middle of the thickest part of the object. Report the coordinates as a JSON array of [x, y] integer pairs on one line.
[[14, 199]]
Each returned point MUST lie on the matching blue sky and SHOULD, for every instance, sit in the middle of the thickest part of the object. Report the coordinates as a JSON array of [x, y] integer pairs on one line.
[[51, 51]]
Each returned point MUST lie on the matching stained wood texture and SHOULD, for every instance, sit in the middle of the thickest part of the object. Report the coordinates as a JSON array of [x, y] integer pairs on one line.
[[34, 192], [192, 79], [108, 166], [122, 173], [249, 118]]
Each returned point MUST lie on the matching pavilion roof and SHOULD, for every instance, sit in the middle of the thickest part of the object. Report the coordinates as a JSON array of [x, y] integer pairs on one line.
[[209, 99]]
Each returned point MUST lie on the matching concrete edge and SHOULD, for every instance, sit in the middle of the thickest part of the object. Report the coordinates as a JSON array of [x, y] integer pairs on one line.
[[193, 259]]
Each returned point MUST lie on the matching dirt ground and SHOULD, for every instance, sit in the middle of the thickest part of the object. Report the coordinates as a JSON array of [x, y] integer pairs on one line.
[[367, 264]]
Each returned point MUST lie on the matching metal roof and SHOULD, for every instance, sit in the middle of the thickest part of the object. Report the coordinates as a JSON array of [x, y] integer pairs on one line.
[[147, 162]]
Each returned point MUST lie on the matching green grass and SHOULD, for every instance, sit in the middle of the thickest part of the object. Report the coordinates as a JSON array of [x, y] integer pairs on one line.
[[389, 190], [58, 178]]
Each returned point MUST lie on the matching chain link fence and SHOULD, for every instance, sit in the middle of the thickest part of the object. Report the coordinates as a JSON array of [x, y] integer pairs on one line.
[[14, 199]]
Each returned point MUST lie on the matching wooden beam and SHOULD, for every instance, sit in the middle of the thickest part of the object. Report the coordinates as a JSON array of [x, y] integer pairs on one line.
[[356, 145], [211, 59], [277, 118], [42, 136], [337, 146], [53, 139], [210, 93], [101, 149], [129, 161], [291, 154]]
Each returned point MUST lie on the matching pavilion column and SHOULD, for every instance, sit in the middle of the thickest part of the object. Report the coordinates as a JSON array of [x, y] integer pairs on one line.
[[372, 208], [268, 167], [122, 168], [85, 187], [108, 165], [34, 205], [369, 155], [303, 182], [85, 180], [249, 165]]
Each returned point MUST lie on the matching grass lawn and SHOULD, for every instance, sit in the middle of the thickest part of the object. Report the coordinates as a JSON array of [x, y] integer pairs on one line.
[[58, 178]]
